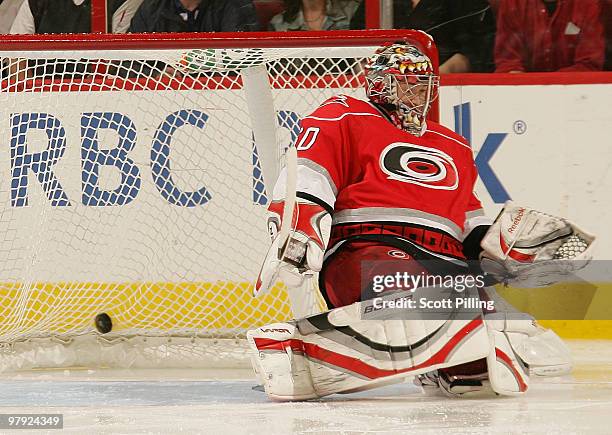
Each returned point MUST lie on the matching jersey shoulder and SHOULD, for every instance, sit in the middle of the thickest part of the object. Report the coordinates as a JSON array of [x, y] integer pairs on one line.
[[342, 106], [440, 131]]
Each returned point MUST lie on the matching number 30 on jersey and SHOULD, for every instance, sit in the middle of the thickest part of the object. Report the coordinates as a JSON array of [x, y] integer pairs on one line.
[[308, 139]]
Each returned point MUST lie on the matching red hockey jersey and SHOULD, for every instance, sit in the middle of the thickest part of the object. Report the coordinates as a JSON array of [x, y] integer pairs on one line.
[[351, 157]]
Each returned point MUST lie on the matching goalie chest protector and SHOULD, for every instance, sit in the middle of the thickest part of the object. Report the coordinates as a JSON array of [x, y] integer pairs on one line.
[[384, 174]]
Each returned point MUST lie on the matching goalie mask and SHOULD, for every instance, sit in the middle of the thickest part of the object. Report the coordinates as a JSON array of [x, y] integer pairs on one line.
[[401, 78]]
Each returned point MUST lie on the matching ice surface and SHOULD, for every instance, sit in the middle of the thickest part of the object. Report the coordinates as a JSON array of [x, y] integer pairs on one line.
[[222, 401]]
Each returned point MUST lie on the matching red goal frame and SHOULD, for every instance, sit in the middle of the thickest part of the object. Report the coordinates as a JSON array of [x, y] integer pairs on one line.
[[161, 41]]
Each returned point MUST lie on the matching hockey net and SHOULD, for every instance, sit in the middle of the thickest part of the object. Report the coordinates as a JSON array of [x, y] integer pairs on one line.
[[136, 174]]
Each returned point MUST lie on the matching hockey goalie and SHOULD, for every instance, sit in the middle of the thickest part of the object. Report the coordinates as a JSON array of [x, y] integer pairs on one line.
[[376, 181]]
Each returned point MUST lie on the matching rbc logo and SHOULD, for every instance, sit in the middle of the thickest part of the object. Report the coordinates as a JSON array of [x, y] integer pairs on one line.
[[92, 158], [41, 164]]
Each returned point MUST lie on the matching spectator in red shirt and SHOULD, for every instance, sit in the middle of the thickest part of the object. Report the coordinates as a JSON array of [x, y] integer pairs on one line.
[[549, 35], [606, 18]]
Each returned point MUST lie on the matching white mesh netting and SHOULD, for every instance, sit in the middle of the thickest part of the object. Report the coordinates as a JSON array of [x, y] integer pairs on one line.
[[133, 186]]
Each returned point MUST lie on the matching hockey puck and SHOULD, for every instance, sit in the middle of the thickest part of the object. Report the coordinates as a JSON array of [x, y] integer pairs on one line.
[[103, 323]]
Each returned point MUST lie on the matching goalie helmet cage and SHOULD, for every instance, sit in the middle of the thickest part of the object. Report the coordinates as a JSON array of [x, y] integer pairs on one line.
[[139, 170]]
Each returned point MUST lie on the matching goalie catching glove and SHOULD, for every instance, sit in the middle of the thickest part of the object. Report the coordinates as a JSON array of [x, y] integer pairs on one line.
[[299, 255], [528, 248]]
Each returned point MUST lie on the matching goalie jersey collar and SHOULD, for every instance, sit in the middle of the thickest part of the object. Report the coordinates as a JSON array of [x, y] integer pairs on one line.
[[385, 114]]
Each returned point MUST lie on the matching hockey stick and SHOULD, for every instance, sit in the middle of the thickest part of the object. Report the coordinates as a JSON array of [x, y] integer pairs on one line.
[[263, 122], [305, 299], [258, 94], [281, 242], [290, 197]]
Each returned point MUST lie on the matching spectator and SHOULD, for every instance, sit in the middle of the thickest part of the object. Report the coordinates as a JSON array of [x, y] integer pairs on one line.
[[266, 9], [49, 16], [464, 30], [69, 16], [53, 16], [195, 16], [59, 16], [494, 5], [122, 13], [549, 35], [8, 11], [607, 23], [314, 15]]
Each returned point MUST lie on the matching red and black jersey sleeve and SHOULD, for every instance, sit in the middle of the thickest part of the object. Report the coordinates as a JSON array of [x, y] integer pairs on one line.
[[326, 146], [324, 140]]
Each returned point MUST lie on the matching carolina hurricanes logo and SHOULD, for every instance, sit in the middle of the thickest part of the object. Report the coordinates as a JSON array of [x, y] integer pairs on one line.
[[398, 254], [427, 167]]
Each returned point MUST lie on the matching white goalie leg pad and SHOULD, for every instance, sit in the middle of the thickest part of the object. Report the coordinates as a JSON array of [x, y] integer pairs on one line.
[[507, 373], [277, 355], [541, 349], [338, 352]]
